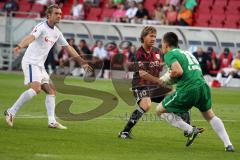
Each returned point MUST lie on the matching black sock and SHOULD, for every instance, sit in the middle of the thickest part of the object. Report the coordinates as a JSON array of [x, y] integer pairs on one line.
[[136, 115]]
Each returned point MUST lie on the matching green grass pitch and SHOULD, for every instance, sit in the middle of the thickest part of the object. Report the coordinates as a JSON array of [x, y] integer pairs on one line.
[[97, 139]]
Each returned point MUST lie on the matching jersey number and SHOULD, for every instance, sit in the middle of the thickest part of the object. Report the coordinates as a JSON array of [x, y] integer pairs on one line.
[[192, 61]]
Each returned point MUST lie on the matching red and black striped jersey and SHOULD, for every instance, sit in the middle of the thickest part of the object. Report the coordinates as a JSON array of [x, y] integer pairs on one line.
[[149, 62]]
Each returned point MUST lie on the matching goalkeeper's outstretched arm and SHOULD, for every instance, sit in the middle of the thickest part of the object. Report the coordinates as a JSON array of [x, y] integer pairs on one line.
[[176, 71]]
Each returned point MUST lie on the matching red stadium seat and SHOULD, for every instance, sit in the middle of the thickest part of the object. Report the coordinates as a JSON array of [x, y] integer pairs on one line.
[[66, 10], [1, 5], [233, 7], [201, 23], [217, 20], [232, 21], [24, 7], [37, 8], [94, 14], [206, 3], [106, 14], [215, 10], [202, 19], [201, 10], [149, 4], [220, 4]]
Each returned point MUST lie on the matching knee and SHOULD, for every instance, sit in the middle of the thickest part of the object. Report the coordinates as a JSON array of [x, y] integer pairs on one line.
[[145, 104], [36, 88]]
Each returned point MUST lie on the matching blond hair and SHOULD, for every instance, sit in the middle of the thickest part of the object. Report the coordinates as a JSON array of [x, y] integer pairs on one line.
[[49, 9], [147, 30]]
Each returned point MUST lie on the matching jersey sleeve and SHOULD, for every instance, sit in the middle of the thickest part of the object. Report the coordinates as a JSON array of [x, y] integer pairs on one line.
[[37, 31], [61, 40], [169, 59]]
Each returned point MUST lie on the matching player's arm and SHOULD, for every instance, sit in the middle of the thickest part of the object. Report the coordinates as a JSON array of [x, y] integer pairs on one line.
[[175, 72], [146, 76], [24, 43], [73, 53]]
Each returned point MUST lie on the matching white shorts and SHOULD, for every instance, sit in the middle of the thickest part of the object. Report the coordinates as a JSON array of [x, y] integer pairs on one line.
[[33, 73], [228, 70]]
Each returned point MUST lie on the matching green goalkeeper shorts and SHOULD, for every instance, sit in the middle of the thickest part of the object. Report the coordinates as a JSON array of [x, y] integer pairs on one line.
[[183, 100]]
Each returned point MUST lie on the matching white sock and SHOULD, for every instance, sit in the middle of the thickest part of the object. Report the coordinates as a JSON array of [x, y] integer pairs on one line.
[[50, 106], [219, 128], [177, 121], [228, 79], [219, 77], [25, 96]]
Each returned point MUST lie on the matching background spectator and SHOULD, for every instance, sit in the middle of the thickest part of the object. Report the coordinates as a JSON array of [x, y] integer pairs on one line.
[[45, 2], [51, 61], [83, 47], [171, 18], [172, 2], [119, 14], [131, 12], [214, 61], [10, 6], [141, 15], [158, 14], [190, 4], [225, 58], [100, 57], [116, 2], [77, 10], [203, 60], [185, 17], [230, 71]]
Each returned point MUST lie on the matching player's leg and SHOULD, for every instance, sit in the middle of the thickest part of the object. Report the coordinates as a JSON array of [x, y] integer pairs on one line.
[[179, 102], [219, 75], [177, 121], [173, 119], [143, 105], [32, 77], [219, 128], [50, 91], [230, 77]]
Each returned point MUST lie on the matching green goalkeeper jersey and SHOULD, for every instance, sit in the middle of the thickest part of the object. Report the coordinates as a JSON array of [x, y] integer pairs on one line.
[[192, 74]]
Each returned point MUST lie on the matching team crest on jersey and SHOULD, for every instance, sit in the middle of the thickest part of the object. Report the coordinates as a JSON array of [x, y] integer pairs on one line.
[[48, 40]]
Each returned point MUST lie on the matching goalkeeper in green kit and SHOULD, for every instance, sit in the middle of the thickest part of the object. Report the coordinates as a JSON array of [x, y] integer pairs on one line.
[[191, 90]]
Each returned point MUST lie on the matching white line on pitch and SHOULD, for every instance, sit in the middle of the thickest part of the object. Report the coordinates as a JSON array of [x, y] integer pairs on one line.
[[112, 118]]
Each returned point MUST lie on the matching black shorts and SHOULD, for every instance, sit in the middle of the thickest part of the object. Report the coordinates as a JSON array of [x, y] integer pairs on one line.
[[156, 93]]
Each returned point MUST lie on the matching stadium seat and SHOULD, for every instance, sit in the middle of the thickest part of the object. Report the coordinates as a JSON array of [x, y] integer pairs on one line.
[[233, 7], [203, 9], [94, 14], [201, 24], [106, 14], [37, 8], [24, 7], [149, 4], [232, 21], [217, 20], [1, 5], [66, 10], [234, 3], [220, 4], [202, 20], [205, 4]]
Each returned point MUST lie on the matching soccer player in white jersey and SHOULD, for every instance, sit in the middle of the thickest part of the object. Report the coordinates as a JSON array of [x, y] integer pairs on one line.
[[39, 42]]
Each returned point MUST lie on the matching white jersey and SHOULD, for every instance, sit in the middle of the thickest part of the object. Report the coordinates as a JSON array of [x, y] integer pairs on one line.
[[45, 38]]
